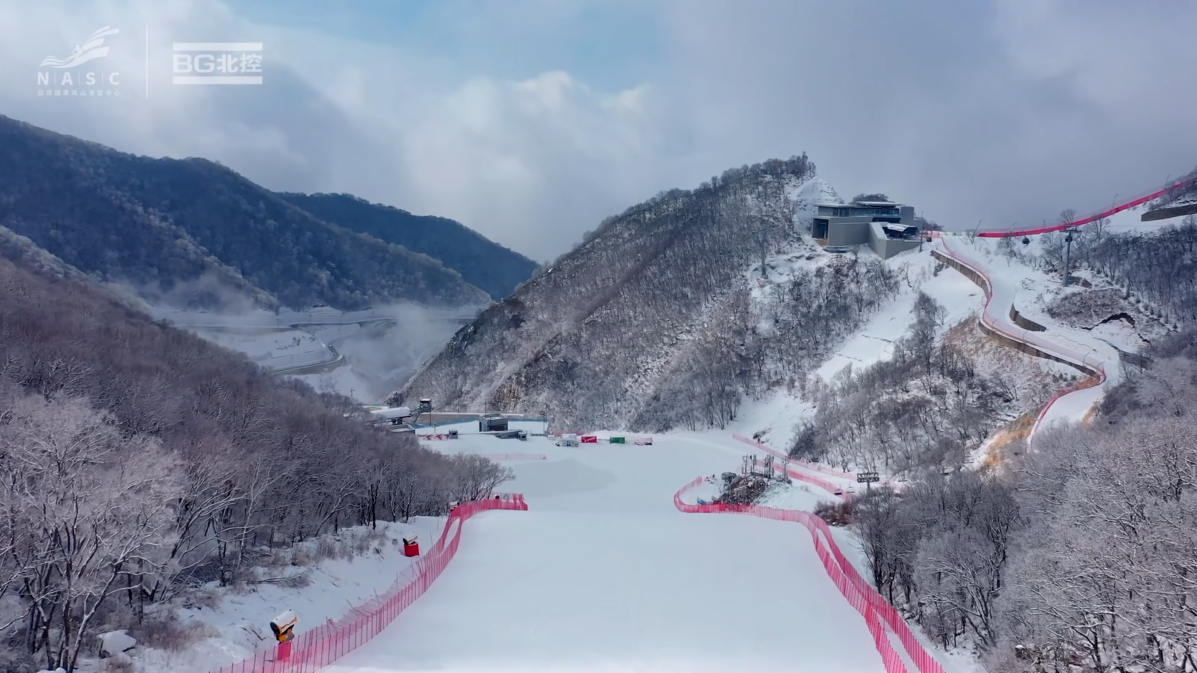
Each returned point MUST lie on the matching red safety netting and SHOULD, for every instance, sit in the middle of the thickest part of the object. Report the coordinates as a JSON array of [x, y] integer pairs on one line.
[[878, 613], [1087, 383], [1134, 202], [312, 650]]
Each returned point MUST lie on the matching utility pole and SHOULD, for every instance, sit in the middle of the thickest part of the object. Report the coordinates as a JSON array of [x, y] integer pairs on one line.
[[763, 232], [1067, 255], [1067, 217]]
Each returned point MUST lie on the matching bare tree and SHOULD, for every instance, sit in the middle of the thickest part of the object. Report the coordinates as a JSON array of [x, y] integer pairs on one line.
[[476, 477], [877, 520], [85, 509]]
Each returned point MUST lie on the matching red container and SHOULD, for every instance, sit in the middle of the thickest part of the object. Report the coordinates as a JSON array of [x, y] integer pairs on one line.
[[411, 549], [589, 439]]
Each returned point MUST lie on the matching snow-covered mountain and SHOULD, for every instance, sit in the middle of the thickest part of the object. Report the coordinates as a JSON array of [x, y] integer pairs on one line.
[[847, 359], [662, 321], [656, 322], [808, 197]]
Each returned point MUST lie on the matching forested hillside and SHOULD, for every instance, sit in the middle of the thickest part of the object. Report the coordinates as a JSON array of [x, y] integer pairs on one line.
[[138, 462], [1154, 269], [161, 223], [1180, 199], [928, 406], [1079, 556], [480, 261], [652, 323], [1158, 268]]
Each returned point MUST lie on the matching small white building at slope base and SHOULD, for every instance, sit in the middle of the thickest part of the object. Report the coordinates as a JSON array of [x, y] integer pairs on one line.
[[887, 228]]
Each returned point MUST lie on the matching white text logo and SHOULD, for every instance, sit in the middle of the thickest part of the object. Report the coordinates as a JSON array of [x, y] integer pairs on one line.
[[64, 77], [217, 63]]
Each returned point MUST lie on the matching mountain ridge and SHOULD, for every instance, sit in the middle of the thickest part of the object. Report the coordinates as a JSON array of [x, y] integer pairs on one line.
[[161, 224], [651, 323], [483, 263]]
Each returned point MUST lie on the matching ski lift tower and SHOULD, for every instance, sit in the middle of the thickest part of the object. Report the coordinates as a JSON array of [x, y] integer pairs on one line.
[[424, 408], [868, 479]]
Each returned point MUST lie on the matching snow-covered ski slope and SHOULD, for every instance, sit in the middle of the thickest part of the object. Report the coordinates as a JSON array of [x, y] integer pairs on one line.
[[604, 574], [1020, 287], [1069, 345]]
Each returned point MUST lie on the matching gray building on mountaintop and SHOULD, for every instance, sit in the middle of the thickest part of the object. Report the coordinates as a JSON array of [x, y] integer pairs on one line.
[[886, 227]]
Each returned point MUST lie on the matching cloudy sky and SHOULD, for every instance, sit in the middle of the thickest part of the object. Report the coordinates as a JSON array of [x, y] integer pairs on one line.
[[531, 120]]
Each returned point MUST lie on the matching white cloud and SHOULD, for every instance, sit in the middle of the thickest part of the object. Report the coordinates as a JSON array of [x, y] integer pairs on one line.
[[529, 162], [1002, 111], [533, 162]]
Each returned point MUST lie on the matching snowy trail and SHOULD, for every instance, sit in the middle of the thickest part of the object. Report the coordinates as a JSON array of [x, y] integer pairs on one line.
[[1071, 405], [900, 649], [604, 574]]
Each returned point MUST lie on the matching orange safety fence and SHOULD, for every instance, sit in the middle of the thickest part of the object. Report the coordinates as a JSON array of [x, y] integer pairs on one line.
[[315, 649]]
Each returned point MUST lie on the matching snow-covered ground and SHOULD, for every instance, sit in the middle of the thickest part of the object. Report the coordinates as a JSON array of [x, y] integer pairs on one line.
[[234, 623], [369, 353], [603, 574], [1029, 290], [775, 417], [808, 196], [959, 297], [273, 349], [1129, 221], [778, 414]]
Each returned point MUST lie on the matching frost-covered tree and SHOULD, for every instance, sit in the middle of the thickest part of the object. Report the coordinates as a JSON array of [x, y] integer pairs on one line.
[[925, 406], [138, 461], [1101, 577], [85, 509], [652, 324]]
